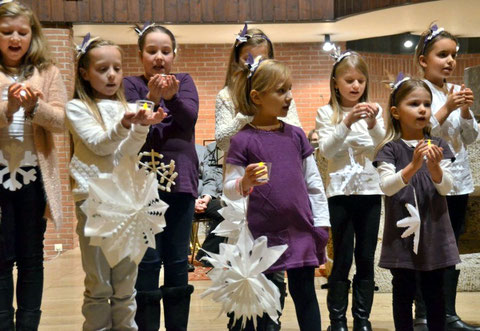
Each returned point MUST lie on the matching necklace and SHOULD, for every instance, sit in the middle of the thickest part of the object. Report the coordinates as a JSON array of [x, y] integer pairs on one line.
[[273, 127]]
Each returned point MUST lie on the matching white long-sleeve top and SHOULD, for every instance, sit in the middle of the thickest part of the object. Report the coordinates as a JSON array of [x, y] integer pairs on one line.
[[228, 122], [318, 200], [458, 132], [337, 143], [391, 180], [98, 150]]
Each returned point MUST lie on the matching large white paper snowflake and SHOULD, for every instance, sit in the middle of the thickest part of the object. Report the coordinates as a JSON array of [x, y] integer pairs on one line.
[[28, 160], [412, 223], [124, 212], [166, 172], [238, 281]]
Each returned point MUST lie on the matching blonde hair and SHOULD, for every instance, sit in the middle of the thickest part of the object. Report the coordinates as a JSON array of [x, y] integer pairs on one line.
[[37, 55], [424, 49], [353, 61], [392, 125], [83, 89], [269, 74], [257, 38]]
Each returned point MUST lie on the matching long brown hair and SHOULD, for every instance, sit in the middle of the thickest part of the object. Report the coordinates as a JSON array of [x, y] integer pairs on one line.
[[37, 55]]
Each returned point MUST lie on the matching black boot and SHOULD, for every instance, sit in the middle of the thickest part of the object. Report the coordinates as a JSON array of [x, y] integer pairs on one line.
[[337, 302], [362, 303], [147, 315], [6, 321], [27, 320], [236, 324], [453, 322], [176, 306]]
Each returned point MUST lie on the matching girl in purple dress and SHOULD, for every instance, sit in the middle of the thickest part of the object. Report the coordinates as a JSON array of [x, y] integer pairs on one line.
[[415, 176], [290, 208]]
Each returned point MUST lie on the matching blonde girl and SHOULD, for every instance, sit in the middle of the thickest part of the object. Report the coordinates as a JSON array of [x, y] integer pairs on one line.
[[103, 128], [31, 110], [349, 129]]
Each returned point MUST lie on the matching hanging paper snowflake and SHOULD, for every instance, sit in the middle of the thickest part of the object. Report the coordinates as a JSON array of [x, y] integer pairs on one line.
[[234, 219], [166, 172], [349, 175], [238, 279], [412, 223], [13, 167], [124, 212]]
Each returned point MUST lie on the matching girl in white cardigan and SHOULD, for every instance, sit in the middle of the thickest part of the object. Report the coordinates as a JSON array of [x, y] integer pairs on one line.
[[349, 129], [103, 128]]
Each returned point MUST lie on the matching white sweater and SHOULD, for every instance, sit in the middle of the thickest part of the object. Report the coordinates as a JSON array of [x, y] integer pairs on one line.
[[336, 142], [228, 121], [97, 150], [458, 133]]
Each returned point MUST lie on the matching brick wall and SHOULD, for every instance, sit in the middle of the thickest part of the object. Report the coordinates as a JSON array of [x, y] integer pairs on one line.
[[207, 64]]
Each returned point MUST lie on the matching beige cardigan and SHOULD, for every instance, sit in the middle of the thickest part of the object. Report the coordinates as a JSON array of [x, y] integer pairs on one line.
[[49, 118]]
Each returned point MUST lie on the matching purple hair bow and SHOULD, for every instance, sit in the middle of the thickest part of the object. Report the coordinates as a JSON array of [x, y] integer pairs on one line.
[[82, 49], [242, 36], [433, 32], [253, 64]]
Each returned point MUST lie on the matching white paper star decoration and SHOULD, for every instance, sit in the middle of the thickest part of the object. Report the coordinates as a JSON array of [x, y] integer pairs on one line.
[[349, 174], [238, 281], [234, 219], [124, 212], [412, 223]]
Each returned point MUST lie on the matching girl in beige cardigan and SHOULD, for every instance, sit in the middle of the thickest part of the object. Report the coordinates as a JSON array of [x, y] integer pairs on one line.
[[31, 108]]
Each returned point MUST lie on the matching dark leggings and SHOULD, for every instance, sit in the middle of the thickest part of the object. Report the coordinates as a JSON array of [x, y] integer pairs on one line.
[[354, 216], [22, 229], [403, 293], [302, 289]]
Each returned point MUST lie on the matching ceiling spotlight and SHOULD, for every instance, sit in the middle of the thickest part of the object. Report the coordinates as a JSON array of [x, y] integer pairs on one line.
[[328, 45], [408, 43]]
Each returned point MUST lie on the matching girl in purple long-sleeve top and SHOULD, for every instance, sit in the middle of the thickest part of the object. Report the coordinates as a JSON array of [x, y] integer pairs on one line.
[[174, 138]]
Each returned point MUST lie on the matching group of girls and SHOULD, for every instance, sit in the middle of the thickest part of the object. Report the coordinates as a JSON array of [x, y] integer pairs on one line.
[[427, 126]]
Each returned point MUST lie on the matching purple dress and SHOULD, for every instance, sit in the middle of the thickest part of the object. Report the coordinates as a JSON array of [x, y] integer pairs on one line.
[[280, 209], [174, 137], [437, 247]]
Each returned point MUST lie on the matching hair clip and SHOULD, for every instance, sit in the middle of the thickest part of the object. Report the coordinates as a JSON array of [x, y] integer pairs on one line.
[[242, 36], [253, 64], [433, 32], [146, 26], [82, 49], [3, 2], [338, 56]]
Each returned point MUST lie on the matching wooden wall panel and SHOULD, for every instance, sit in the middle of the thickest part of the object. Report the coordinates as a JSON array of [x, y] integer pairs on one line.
[[203, 11]]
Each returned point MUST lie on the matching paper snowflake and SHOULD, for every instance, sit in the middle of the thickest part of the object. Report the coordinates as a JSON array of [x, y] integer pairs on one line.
[[412, 223], [349, 174], [238, 281], [166, 172], [124, 212], [14, 167], [234, 219]]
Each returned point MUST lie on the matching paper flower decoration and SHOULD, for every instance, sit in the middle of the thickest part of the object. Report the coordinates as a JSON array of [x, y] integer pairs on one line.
[[252, 64], [87, 40], [412, 223], [14, 168], [237, 279], [124, 212], [242, 36], [146, 26]]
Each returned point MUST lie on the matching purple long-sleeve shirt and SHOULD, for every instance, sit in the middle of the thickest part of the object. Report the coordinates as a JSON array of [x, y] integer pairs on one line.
[[174, 137]]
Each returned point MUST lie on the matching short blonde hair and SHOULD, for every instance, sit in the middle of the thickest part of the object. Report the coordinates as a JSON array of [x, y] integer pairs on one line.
[[269, 74]]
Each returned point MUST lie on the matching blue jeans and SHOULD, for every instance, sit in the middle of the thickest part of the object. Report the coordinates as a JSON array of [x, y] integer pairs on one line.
[[22, 229], [172, 246]]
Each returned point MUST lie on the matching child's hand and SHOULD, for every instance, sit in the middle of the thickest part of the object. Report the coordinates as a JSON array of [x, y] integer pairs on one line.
[[252, 174], [359, 111], [434, 156], [469, 98], [418, 154], [28, 99], [155, 88], [455, 99], [371, 115], [169, 87], [150, 118], [14, 101]]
